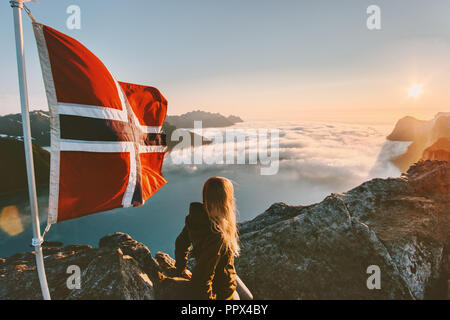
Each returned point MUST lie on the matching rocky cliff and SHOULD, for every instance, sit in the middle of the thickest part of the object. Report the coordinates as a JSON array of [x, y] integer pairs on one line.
[[440, 150], [321, 251], [422, 135]]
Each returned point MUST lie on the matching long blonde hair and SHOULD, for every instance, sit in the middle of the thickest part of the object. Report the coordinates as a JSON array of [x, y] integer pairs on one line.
[[218, 198]]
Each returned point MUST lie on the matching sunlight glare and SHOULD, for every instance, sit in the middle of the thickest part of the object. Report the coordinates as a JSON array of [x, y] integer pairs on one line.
[[415, 91]]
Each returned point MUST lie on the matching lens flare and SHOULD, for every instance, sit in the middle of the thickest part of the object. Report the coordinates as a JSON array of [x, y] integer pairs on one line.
[[10, 221]]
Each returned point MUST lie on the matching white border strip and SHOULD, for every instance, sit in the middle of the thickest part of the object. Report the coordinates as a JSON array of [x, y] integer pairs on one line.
[[95, 146], [151, 149], [132, 178], [92, 111], [148, 129], [99, 112], [54, 123]]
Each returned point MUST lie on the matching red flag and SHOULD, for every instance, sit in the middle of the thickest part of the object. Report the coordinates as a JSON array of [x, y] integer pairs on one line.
[[107, 146]]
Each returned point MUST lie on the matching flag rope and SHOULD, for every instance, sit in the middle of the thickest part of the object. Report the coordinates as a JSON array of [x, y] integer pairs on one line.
[[20, 4], [47, 228], [28, 11]]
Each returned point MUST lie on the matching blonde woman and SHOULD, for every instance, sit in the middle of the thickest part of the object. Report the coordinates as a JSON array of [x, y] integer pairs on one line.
[[211, 230]]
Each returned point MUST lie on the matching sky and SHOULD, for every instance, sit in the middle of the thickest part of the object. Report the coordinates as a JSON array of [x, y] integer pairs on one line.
[[259, 59]]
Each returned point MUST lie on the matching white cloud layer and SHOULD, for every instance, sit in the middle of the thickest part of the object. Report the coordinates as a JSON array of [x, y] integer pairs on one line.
[[335, 154]]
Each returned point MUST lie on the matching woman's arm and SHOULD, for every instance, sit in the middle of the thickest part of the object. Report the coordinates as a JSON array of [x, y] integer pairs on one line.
[[182, 245], [205, 267]]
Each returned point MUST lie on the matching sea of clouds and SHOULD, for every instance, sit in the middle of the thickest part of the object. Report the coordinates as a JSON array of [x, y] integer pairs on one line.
[[334, 154]]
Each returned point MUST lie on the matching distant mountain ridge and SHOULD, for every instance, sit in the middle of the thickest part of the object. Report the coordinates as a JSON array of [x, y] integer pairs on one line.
[[11, 125], [13, 175], [208, 119]]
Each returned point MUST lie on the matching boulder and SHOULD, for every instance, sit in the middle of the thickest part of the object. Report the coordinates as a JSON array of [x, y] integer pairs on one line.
[[118, 269], [324, 251]]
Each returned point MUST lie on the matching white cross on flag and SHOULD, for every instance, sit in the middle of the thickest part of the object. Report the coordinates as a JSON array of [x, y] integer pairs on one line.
[[107, 146]]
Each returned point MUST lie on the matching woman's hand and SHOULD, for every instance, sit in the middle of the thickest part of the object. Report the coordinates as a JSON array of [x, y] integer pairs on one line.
[[186, 274]]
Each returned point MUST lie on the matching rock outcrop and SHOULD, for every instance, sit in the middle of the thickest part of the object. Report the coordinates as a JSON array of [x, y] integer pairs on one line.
[[107, 272], [440, 150], [119, 269], [322, 251], [422, 135]]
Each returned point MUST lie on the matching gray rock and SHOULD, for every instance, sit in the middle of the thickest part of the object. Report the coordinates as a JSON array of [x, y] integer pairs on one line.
[[323, 251], [113, 276], [113, 271]]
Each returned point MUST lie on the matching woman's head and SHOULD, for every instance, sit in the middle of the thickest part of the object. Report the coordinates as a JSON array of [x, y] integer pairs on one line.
[[218, 198]]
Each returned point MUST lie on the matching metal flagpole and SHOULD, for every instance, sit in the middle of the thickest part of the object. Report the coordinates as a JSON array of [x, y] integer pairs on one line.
[[37, 239]]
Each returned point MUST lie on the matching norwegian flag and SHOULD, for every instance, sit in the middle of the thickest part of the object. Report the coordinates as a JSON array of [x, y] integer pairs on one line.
[[107, 146]]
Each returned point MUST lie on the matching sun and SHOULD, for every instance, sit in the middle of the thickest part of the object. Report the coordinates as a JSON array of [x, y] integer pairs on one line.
[[415, 91]]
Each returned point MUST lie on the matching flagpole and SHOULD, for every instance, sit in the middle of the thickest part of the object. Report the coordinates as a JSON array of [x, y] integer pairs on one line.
[[37, 239]]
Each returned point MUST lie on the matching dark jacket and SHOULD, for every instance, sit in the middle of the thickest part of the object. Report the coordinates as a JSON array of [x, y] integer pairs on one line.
[[213, 276]]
